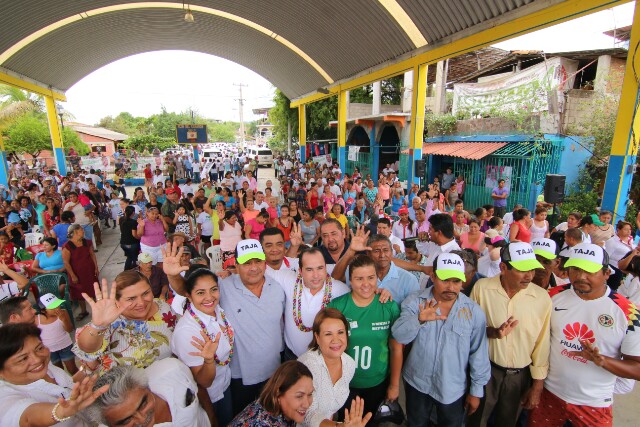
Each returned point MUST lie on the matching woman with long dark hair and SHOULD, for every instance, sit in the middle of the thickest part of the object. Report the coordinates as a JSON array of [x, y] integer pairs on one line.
[[129, 240]]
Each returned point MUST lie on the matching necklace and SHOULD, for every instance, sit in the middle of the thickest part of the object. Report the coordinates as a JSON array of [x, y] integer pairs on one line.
[[228, 332], [297, 300]]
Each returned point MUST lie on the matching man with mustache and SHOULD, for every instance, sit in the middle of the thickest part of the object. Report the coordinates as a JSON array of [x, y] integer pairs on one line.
[[518, 313], [446, 329], [595, 338]]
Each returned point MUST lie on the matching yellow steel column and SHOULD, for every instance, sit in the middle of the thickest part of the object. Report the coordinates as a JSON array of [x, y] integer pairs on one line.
[[302, 132], [624, 146], [418, 100], [56, 135], [342, 129]]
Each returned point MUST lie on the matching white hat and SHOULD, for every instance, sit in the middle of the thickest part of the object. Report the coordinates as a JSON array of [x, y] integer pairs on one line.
[[449, 266], [546, 248], [249, 249], [50, 301], [520, 255], [588, 257]]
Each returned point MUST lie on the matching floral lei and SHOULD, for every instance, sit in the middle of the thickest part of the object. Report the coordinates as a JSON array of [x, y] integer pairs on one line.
[[297, 300], [228, 332]]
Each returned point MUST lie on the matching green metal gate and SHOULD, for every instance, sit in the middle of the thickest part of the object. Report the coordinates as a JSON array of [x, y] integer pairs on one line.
[[523, 165], [363, 162]]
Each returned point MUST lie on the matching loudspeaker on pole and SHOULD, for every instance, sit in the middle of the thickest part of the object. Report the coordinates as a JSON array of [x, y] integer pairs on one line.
[[554, 188]]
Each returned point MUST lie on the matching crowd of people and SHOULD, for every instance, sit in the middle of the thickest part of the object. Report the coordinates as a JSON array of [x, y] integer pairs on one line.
[[334, 294]]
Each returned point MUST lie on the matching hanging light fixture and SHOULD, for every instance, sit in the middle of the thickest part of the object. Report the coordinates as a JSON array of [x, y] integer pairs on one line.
[[188, 17]]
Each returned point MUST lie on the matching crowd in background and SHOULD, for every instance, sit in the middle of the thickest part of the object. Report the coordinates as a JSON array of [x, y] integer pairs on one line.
[[333, 292]]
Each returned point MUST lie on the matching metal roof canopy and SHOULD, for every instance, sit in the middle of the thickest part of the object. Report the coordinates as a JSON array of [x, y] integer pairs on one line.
[[465, 150], [298, 46]]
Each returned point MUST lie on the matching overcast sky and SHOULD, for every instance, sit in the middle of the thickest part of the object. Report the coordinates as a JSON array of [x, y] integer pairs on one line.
[[141, 84]]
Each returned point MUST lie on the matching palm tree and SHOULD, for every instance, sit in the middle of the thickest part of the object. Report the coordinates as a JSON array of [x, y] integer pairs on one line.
[[15, 102]]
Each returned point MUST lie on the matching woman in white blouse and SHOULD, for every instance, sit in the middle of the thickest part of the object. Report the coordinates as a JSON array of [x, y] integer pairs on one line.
[[205, 328], [332, 369], [620, 244]]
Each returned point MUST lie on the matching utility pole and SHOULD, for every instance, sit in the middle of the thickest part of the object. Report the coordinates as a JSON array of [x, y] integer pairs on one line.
[[241, 109]]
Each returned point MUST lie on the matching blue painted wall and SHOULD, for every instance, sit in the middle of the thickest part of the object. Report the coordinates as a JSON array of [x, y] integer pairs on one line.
[[573, 158]]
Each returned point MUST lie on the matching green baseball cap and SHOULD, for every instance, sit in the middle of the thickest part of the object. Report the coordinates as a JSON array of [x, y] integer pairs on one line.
[[588, 257], [249, 249]]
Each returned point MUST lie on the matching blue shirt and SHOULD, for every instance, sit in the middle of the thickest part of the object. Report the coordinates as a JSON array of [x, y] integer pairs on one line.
[[443, 350], [54, 262], [500, 203], [258, 327], [61, 233], [398, 281]]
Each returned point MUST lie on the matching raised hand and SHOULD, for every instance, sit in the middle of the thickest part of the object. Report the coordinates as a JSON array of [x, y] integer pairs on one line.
[[82, 395], [206, 346], [171, 260], [385, 295], [359, 239], [354, 417], [590, 352], [504, 329], [296, 235], [429, 312], [105, 309]]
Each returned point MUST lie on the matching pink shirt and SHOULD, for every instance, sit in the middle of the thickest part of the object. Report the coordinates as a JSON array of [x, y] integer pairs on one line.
[[153, 233], [383, 191]]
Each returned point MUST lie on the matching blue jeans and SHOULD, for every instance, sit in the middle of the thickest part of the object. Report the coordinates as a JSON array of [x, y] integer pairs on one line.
[[88, 231], [420, 406], [223, 408], [131, 252]]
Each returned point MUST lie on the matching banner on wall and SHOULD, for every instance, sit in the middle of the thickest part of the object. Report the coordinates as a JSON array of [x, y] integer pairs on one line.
[[537, 88], [495, 173], [322, 160], [353, 153], [102, 163]]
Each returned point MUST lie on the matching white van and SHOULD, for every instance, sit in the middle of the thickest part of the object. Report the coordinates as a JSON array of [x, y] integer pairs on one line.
[[265, 155]]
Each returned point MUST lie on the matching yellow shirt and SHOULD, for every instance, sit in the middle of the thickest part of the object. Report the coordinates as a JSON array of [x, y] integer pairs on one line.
[[341, 219], [528, 343]]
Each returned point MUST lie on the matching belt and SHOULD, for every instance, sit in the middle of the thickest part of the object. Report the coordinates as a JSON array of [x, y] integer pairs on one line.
[[509, 371]]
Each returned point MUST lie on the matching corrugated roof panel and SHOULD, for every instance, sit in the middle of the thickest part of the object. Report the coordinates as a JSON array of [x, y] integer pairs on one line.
[[343, 37], [465, 150]]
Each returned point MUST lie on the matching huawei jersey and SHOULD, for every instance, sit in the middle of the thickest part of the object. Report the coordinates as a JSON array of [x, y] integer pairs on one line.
[[611, 322]]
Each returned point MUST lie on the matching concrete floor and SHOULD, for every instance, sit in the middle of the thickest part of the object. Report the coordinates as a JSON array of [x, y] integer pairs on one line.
[[111, 262]]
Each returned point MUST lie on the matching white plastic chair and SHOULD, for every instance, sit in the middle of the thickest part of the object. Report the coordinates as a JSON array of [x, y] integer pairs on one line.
[[36, 229], [215, 258], [31, 239]]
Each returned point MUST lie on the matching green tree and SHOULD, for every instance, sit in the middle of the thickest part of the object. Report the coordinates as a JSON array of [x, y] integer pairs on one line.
[[71, 139], [15, 103], [280, 115], [123, 123], [222, 132], [141, 143], [28, 134], [319, 114]]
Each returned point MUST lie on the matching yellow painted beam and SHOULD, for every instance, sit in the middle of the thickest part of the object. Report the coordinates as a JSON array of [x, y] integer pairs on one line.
[[418, 100], [31, 86], [302, 125], [342, 118], [556, 14], [627, 131], [56, 134]]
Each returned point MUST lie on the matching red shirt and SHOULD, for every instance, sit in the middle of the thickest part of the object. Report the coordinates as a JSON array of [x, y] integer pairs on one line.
[[148, 174]]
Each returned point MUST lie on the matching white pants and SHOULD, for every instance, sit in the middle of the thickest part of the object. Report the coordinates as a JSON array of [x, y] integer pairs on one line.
[[154, 251]]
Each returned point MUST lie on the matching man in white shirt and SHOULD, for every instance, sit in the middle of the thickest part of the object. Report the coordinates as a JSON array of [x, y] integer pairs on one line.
[[308, 288], [158, 178], [595, 338], [274, 191], [187, 188], [196, 170], [384, 228], [335, 189], [259, 202]]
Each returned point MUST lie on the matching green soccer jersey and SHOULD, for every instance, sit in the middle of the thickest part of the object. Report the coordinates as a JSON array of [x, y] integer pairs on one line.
[[369, 333]]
